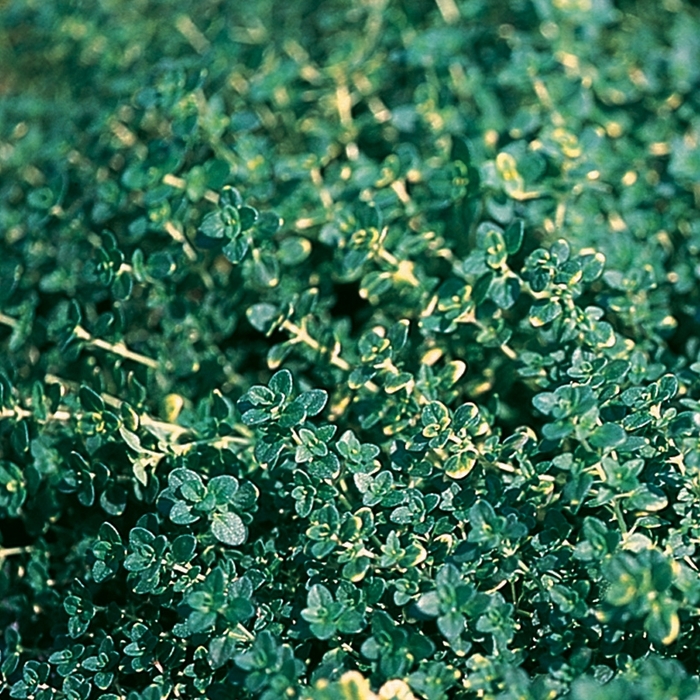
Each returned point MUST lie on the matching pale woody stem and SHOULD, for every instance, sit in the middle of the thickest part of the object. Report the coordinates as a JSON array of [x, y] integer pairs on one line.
[[302, 336], [115, 348], [181, 184], [21, 413], [12, 551], [145, 420], [8, 321], [449, 10], [620, 517], [177, 235]]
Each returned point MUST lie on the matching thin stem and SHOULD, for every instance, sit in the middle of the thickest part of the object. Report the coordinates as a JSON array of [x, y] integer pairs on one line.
[[8, 321], [179, 237], [193, 34], [403, 270], [503, 466], [344, 105], [12, 551], [217, 442], [323, 192], [20, 413], [186, 569], [449, 10], [508, 351], [399, 187], [619, 517], [244, 632], [301, 335], [174, 430], [144, 419], [504, 347], [115, 348], [545, 99], [181, 184], [345, 501]]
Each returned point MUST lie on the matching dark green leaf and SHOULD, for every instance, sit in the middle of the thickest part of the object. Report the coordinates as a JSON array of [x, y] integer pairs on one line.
[[608, 435], [544, 312], [513, 236], [90, 400]]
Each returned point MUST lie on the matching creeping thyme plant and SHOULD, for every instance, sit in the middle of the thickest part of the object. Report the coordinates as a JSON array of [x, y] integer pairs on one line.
[[349, 350]]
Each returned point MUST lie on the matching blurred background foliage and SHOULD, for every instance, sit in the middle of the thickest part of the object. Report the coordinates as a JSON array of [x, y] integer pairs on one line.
[[579, 116]]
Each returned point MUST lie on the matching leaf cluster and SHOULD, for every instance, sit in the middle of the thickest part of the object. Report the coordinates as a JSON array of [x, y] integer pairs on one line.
[[349, 350]]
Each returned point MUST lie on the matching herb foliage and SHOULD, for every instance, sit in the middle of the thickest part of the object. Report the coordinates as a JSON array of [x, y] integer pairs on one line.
[[349, 350]]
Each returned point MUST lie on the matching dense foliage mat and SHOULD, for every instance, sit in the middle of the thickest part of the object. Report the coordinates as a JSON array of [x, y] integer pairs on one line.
[[349, 349]]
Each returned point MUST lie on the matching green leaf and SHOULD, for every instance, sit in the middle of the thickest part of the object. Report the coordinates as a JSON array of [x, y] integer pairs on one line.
[[544, 312], [230, 197], [181, 514], [451, 625], [398, 335], [221, 650], [90, 400], [367, 215], [229, 529], [282, 383], [248, 216], [221, 406], [435, 413], [160, 265], [268, 224], [256, 416], [201, 622], [560, 251], [504, 291], [213, 225], [513, 236], [663, 623], [545, 402], [183, 548], [109, 533], [293, 250], [122, 286], [235, 250], [323, 630], [668, 387], [294, 414], [224, 489], [20, 437], [133, 441], [319, 597], [396, 382], [466, 416], [261, 395], [263, 317], [350, 622], [313, 401], [460, 465], [429, 604], [277, 354], [636, 420], [592, 266], [608, 436], [647, 498]]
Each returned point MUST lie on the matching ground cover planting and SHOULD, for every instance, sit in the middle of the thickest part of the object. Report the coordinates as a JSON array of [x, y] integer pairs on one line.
[[349, 351]]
